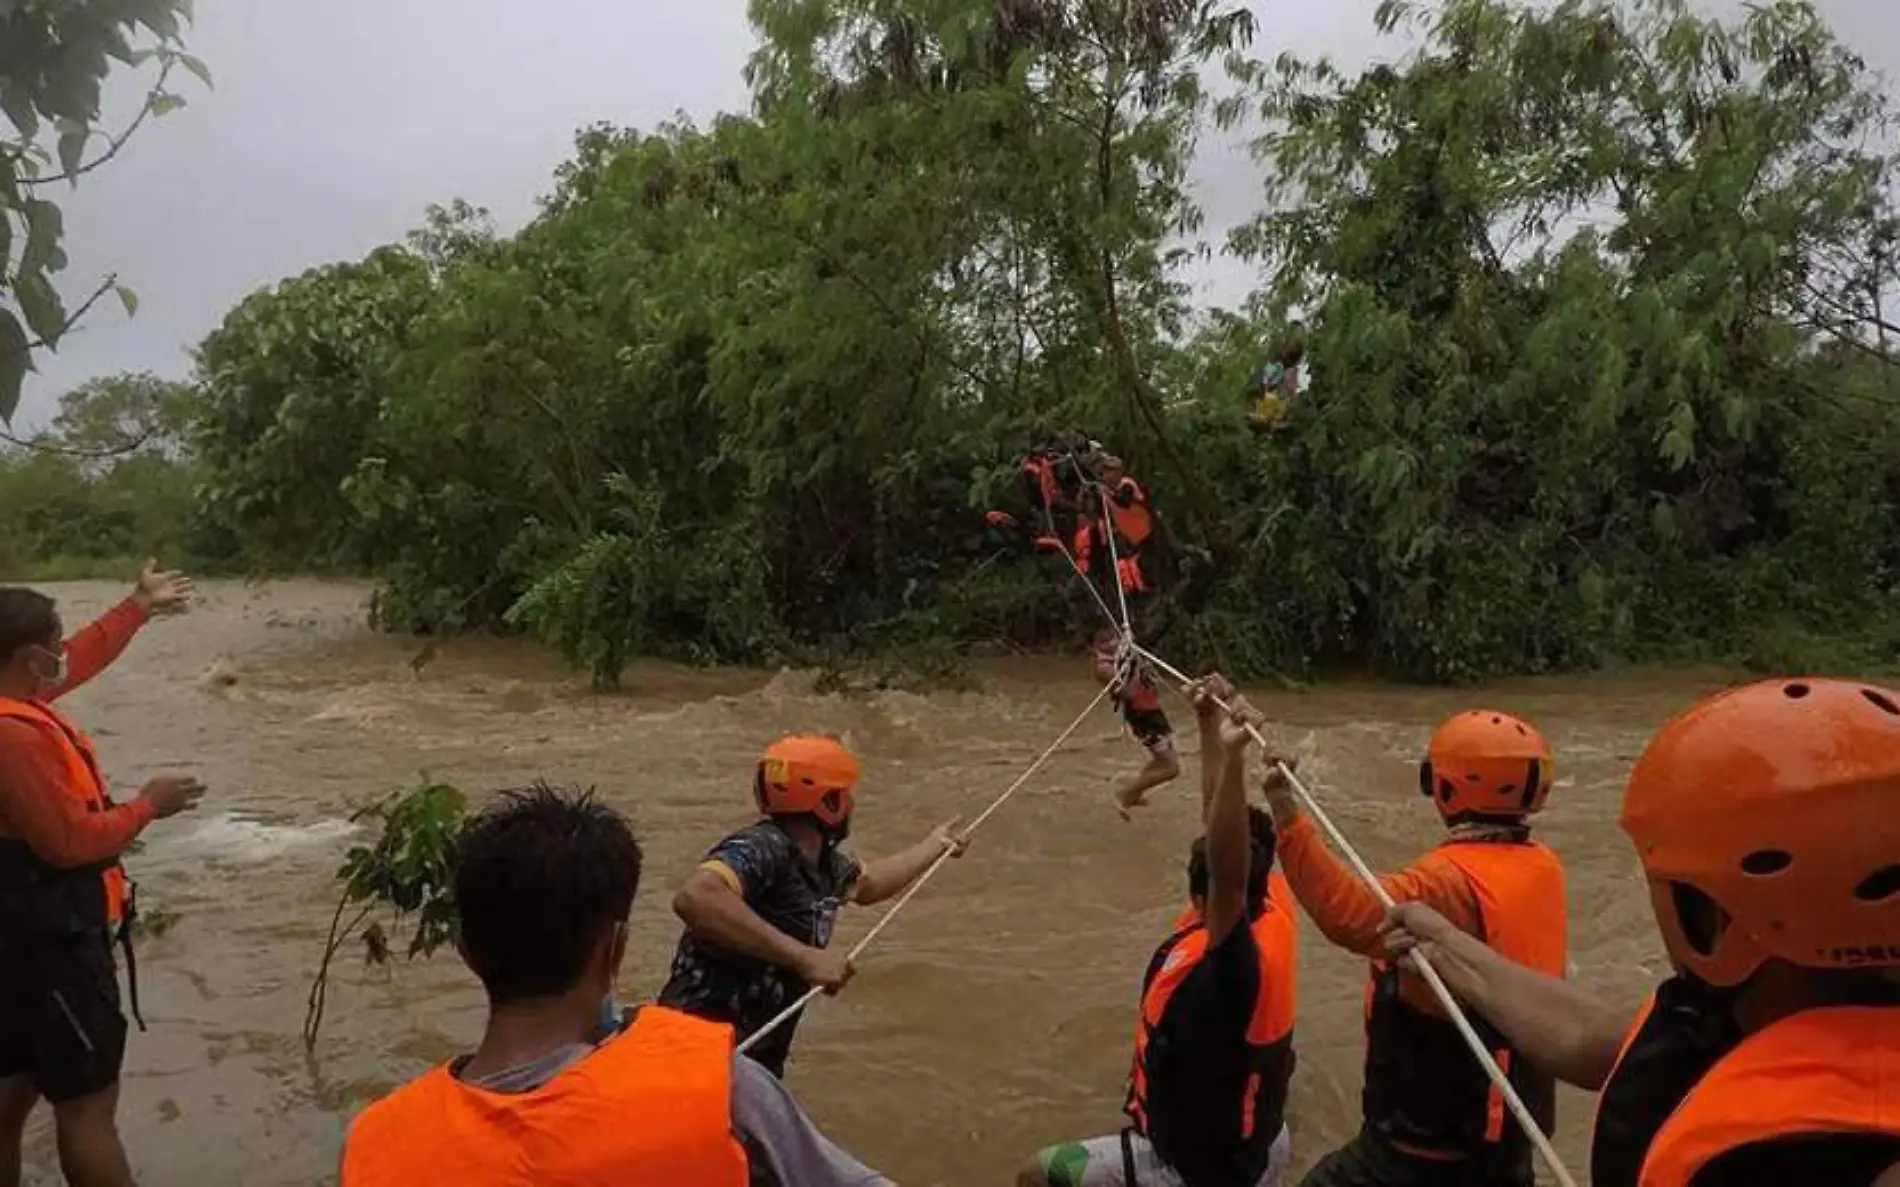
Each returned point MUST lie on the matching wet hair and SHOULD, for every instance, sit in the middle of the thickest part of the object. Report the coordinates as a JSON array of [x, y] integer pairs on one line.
[[1260, 862], [540, 876], [28, 618]]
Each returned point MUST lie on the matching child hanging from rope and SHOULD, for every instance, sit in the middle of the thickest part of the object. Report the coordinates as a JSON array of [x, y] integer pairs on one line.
[[759, 910], [1140, 705]]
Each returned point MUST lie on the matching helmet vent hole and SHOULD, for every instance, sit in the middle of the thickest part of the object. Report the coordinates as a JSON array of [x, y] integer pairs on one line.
[[1703, 920], [1497, 721], [1474, 777], [1508, 789], [1879, 886], [1795, 692], [1521, 731], [1764, 862], [1446, 790], [1880, 701]]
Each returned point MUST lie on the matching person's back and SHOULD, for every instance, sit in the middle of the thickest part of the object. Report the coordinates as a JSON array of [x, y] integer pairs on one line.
[[1213, 1058], [649, 1106], [1214, 1049], [1431, 1114], [564, 1091]]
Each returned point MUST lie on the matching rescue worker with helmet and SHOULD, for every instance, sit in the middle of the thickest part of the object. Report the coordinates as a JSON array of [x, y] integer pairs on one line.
[[759, 909], [1213, 1058], [64, 897], [566, 1089], [1765, 821], [1431, 1115]]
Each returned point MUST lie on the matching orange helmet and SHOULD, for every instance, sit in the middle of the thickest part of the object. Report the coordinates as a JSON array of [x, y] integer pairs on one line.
[[1768, 822], [1484, 763], [807, 774]]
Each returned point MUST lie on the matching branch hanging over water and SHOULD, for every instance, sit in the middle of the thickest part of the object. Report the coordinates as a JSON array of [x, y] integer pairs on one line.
[[406, 874]]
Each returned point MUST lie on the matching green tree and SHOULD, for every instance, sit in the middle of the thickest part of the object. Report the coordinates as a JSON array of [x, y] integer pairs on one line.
[[116, 416], [54, 59], [106, 485], [293, 388], [1568, 266], [1593, 292]]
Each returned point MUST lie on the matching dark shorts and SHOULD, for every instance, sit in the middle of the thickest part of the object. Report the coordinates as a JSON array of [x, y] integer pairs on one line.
[[60, 1022], [1370, 1161], [1150, 726]]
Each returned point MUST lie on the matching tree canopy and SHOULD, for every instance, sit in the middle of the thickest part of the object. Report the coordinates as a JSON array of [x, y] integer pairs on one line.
[[1594, 295]]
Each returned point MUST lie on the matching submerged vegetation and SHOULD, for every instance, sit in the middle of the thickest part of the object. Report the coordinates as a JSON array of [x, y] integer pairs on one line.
[[1593, 296]]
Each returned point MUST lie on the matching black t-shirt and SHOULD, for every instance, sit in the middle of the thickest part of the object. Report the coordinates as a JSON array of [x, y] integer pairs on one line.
[[1200, 1067], [796, 896]]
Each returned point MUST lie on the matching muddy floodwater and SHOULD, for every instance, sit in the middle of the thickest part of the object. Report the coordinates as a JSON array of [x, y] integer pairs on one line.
[[995, 1016]]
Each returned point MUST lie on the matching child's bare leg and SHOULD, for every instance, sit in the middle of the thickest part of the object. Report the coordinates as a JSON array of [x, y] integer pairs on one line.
[[1162, 767]]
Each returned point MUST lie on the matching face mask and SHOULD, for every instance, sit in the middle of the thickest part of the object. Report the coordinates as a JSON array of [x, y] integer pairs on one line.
[[611, 1019], [57, 677]]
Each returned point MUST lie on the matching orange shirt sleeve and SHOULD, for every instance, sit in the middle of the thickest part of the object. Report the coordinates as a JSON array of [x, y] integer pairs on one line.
[[92, 648], [35, 806], [1345, 909]]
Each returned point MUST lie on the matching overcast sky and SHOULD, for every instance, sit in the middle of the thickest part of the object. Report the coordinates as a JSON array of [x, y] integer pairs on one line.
[[334, 123]]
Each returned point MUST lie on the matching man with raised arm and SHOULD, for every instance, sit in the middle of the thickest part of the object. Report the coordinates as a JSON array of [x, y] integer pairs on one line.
[[64, 897], [1213, 1058]]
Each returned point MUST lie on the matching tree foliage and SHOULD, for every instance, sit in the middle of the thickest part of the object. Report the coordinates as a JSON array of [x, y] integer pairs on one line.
[[1595, 296], [106, 485], [55, 56], [406, 874], [1595, 284]]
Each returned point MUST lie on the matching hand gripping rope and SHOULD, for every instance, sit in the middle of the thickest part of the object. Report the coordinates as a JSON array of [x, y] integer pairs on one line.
[[930, 871], [1420, 963]]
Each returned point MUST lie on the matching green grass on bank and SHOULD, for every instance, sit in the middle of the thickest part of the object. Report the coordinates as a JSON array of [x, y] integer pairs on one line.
[[68, 567]]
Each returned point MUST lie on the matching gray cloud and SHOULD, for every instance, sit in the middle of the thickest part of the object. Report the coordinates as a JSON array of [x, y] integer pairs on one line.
[[334, 123]]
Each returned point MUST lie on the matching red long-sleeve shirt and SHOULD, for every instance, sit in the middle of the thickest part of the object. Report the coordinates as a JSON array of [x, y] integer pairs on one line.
[[35, 806]]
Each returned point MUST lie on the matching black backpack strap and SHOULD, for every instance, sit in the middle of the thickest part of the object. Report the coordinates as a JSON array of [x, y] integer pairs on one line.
[[124, 940]]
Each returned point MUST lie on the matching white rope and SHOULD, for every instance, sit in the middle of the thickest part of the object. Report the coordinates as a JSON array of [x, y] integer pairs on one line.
[[1088, 582], [1419, 962], [884, 921], [1115, 566]]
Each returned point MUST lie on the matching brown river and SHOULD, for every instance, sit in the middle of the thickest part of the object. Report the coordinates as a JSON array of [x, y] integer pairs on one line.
[[995, 1016]]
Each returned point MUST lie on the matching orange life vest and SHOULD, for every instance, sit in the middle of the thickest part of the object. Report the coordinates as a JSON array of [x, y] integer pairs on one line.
[[1181, 1129], [1039, 482], [1423, 1089], [1834, 1070], [651, 1108], [1133, 523], [1127, 568], [52, 902]]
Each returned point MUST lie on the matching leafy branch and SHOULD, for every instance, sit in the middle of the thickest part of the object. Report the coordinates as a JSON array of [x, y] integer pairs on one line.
[[158, 102], [66, 323], [406, 873], [39, 445]]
